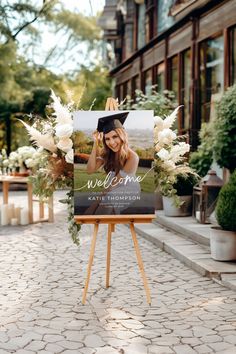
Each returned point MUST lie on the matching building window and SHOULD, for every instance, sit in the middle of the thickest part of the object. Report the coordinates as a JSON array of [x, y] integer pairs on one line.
[[211, 75], [148, 82], [135, 85], [129, 88], [174, 75], [121, 92], [160, 77], [164, 19], [149, 20], [129, 29], [173, 79], [128, 39], [233, 56], [141, 26], [125, 90], [185, 89], [118, 92]]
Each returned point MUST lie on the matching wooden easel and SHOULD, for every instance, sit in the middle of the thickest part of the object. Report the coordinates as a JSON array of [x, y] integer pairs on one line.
[[111, 221]]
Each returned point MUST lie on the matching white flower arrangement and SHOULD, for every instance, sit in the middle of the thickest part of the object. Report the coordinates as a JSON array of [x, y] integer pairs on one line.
[[55, 155], [18, 160], [170, 159], [53, 138]]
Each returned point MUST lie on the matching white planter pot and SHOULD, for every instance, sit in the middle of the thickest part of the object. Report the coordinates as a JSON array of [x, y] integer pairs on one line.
[[223, 244], [184, 210]]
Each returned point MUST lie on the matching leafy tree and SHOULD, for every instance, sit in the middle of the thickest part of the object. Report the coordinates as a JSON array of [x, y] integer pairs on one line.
[[25, 86], [21, 22], [95, 84], [19, 16]]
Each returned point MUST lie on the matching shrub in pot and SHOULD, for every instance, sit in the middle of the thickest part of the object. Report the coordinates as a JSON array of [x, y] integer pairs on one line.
[[183, 187], [223, 238], [184, 184], [224, 143], [202, 159]]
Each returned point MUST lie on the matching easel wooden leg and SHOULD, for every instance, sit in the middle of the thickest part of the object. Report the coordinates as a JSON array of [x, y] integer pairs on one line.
[[110, 229], [140, 263], [92, 250]]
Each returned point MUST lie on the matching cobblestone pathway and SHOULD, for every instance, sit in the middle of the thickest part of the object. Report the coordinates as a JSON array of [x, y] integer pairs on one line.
[[42, 276]]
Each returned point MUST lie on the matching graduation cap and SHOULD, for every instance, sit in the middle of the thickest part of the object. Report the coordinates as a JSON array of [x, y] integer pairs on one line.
[[108, 123]]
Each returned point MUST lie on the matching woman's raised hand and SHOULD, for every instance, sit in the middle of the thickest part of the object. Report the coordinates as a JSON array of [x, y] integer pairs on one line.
[[97, 137]]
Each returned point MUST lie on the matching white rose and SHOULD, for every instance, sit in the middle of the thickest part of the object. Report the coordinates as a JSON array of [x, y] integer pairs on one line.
[[13, 155], [29, 163], [166, 136], [64, 130], [65, 144], [163, 154], [70, 156], [158, 121], [169, 165], [5, 163]]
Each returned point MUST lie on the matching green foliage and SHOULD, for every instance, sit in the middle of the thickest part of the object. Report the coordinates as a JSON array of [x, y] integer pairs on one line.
[[184, 184], [224, 144], [80, 27], [161, 104], [97, 85], [25, 89], [19, 16], [37, 102], [226, 205], [82, 143], [73, 227], [202, 159]]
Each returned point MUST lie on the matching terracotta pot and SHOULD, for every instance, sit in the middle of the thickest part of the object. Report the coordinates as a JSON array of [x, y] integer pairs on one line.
[[223, 244], [184, 210]]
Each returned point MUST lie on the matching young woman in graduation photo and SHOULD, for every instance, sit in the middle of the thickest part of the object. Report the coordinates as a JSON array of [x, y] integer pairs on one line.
[[118, 161]]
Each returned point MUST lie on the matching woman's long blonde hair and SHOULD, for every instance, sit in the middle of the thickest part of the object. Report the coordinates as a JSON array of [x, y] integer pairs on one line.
[[113, 161]]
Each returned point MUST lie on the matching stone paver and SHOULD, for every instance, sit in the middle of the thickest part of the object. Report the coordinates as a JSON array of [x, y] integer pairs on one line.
[[42, 278]]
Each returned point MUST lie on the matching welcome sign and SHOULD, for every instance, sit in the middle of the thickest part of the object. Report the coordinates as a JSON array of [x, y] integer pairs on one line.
[[113, 163]]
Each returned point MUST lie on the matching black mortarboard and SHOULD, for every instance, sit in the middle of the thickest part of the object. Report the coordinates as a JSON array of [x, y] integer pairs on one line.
[[108, 123]]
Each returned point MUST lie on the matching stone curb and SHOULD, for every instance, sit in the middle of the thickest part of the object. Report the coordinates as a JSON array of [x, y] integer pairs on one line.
[[195, 256], [186, 226]]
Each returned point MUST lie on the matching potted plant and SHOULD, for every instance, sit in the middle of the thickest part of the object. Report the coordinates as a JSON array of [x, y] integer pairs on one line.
[[183, 189], [170, 164], [224, 142], [162, 104], [223, 237]]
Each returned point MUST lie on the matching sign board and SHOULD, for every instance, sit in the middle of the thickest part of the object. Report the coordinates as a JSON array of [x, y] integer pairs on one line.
[[113, 163]]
